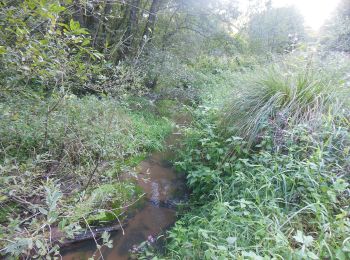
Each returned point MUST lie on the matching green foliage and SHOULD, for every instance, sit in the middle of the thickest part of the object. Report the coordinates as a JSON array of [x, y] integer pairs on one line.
[[288, 195], [117, 80], [267, 165], [291, 203], [284, 95], [103, 204], [275, 30], [149, 131], [166, 107], [204, 145], [336, 32], [81, 125], [34, 239], [40, 51], [66, 145]]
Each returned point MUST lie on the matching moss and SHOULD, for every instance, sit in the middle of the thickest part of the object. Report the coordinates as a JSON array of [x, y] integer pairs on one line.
[[104, 216]]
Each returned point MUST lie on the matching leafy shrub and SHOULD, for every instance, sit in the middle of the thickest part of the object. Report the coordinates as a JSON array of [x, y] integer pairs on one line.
[[40, 50], [103, 203], [288, 195], [116, 80], [203, 144]]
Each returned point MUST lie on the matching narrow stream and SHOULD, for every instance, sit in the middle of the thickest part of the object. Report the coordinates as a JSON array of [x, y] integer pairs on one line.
[[163, 187]]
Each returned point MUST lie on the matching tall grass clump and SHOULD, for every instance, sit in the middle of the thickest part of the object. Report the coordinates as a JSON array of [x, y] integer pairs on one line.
[[283, 95]]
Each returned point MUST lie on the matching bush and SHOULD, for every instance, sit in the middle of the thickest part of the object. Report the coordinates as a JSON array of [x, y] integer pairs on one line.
[[41, 51]]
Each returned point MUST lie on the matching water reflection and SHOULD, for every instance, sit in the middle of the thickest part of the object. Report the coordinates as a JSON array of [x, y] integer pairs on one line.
[[163, 187]]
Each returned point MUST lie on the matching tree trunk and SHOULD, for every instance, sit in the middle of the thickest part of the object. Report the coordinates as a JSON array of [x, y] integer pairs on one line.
[[78, 14], [147, 34], [131, 27]]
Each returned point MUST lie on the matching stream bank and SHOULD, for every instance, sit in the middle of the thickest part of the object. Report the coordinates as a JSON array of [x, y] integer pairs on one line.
[[164, 189]]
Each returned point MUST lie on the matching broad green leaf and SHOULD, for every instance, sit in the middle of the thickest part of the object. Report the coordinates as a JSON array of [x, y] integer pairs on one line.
[[73, 25]]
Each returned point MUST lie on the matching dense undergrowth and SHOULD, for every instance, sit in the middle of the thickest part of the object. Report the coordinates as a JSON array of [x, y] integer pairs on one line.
[[60, 162], [88, 89], [275, 188]]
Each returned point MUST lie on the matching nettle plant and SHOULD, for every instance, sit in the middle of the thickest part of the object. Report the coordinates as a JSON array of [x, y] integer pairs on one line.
[[41, 48]]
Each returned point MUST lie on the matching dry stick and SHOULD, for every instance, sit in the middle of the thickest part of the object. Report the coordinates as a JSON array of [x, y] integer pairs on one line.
[[50, 234], [93, 235], [29, 218], [23, 203], [46, 244], [120, 224], [77, 138], [129, 205], [99, 157], [98, 160], [99, 25], [92, 174], [140, 50]]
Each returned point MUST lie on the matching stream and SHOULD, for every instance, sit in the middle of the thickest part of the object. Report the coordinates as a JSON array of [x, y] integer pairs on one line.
[[164, 189]]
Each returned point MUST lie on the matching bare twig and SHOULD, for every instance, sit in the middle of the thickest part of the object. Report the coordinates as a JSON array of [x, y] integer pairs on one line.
[[93, 235], [92, 174]]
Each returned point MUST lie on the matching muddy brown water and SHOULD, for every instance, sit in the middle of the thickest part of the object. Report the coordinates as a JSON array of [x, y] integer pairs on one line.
[[164, 189]]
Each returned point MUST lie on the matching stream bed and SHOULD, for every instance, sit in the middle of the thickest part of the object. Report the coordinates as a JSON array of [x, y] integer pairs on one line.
[[164, 189]]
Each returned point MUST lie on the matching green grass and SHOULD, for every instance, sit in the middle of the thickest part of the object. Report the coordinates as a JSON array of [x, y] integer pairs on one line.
[[267, 204], [283, 94], [263, 190]]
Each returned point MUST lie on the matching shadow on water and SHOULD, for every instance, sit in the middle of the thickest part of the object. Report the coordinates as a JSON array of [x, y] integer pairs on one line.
[[163, 187]]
